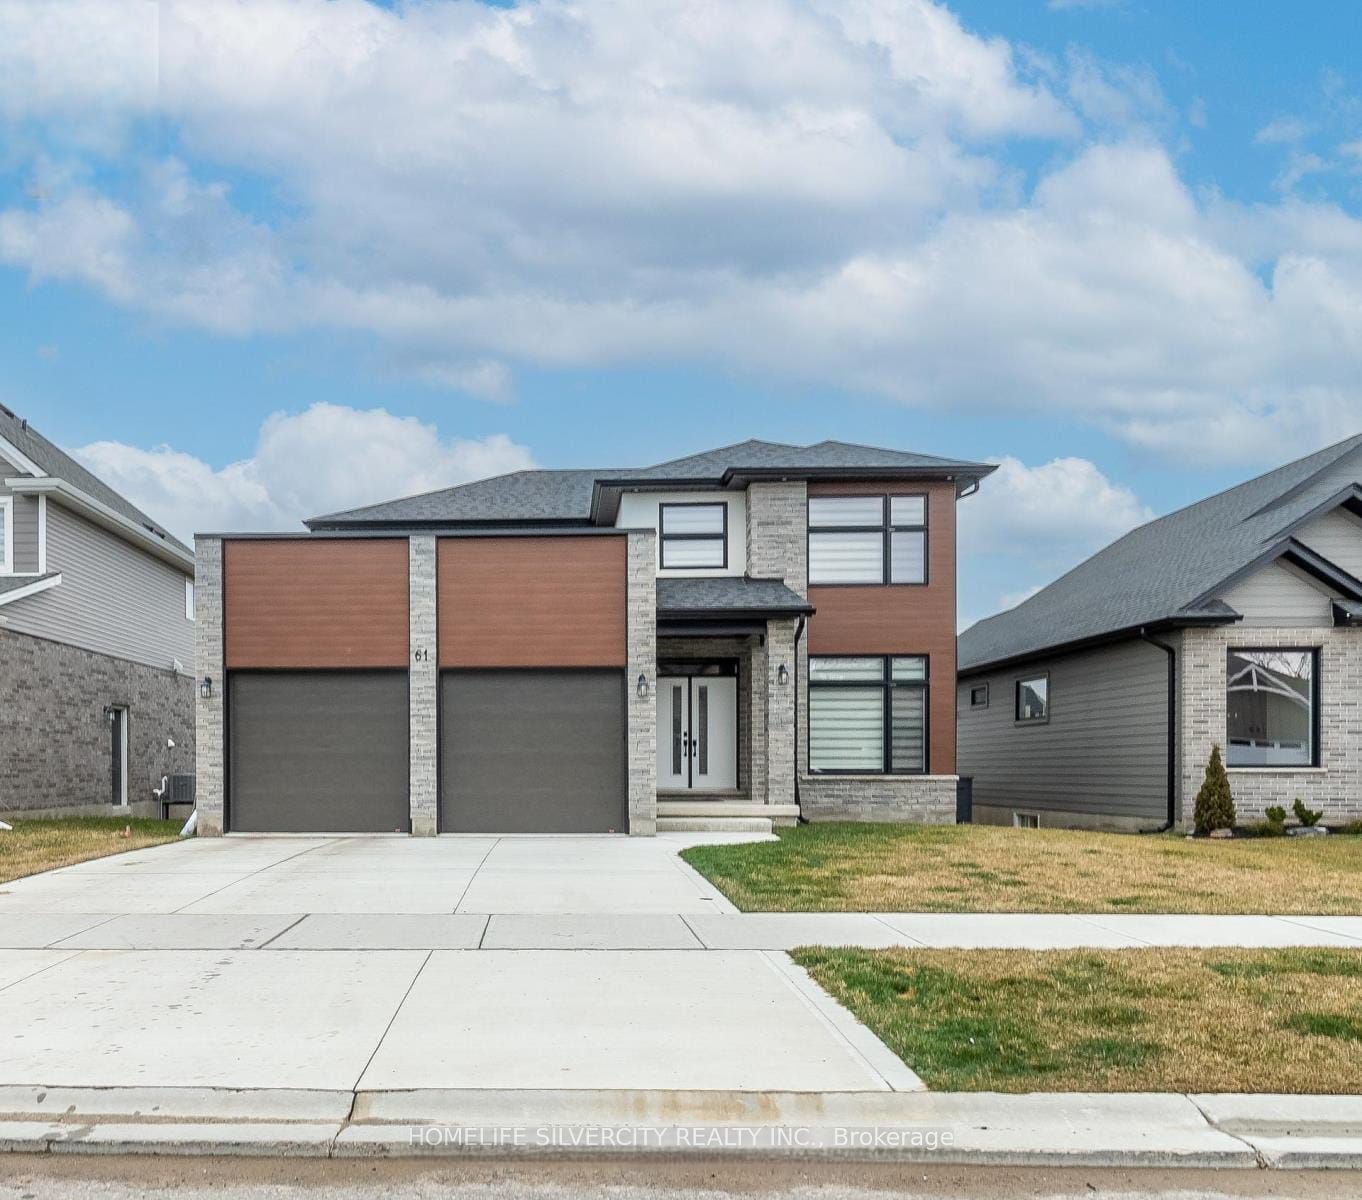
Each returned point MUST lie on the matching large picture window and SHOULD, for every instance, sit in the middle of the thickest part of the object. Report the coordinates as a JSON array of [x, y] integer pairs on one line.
[[868, 715], [1271, 698], [693, 536], [1033, 698], [867, 539]]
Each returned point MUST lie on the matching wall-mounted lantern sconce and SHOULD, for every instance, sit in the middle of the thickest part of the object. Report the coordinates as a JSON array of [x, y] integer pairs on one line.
[[782, 675], [109, 714], [642, 688], [206, 687]]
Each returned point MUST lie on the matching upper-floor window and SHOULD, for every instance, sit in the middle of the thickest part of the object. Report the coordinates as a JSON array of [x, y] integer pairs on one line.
[[868, 539], [188, 599], [6, 534], [1033, 698], [693, 536]]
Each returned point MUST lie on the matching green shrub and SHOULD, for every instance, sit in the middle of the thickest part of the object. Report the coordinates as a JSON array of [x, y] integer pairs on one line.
[[1214, 804], [1306, 816], [1275, 813], [1263, 829]]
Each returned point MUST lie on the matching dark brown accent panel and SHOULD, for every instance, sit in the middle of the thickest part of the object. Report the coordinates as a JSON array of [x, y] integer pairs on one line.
[[532, 601], [324, 603], [901, 618]]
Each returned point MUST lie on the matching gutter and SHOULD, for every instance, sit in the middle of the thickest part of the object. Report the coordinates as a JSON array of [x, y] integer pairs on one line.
[[1172, 729]]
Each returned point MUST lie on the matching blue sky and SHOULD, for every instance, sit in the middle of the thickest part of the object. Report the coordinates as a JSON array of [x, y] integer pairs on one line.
[[1118, 244]]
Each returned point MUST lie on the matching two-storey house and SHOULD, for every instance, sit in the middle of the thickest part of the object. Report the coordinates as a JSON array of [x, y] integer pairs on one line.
[[729, 640], [96, 640]]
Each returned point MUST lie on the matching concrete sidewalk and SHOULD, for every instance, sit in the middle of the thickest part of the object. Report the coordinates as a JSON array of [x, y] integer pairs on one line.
[[984, 1129]]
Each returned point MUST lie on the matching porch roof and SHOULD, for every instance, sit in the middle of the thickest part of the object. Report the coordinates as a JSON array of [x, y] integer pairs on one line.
[[728, 597]]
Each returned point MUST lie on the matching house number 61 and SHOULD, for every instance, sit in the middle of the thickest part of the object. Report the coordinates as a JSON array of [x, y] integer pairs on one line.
[[421, 656]]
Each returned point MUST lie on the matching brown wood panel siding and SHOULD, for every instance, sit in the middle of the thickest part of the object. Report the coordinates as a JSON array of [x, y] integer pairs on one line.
[[328, 603], [901, 618], [532, 601]]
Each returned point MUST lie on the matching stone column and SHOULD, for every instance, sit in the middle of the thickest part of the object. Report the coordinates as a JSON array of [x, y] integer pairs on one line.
[[423, 687], [641, 714], [209, 724], [756, 725], [780, 712]]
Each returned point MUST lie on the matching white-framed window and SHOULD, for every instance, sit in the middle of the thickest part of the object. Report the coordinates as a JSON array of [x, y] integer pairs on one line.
[[867, 539], [868, 715], [693, 536], [188, 599], [7, 534]]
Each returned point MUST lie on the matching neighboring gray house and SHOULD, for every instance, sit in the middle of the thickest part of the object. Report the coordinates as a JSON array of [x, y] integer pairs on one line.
[[96, 639], [1234, 621]]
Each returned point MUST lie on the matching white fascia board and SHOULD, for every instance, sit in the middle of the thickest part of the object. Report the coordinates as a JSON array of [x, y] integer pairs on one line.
[[11, 453], [101, 514], [38, 585]]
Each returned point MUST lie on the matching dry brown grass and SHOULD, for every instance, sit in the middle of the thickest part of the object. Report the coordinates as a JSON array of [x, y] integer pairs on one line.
[[33, 846], [982, 868], [1112, 1021]]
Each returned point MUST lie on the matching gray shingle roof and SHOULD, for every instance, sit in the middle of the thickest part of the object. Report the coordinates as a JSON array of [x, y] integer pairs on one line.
[[567, 495], [60, 465], [12, 583], [682, 597], [1165, 571]]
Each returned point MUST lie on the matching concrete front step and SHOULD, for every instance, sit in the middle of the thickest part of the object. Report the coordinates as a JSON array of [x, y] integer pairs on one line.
[[725, 808], [724, 824]]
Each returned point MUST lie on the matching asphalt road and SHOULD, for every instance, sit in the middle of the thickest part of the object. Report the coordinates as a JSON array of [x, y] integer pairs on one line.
[[88, 1178]]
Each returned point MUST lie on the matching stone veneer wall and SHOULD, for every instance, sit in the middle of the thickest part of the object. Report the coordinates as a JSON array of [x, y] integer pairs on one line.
[[641, 715], [56, 748], [1335, 786], [209, 737], [777, 533], [424, 687], [923, 799]]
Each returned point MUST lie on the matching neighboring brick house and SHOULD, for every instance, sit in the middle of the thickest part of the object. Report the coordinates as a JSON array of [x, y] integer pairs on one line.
[[728, 640], [1233, 622], [96, 639]]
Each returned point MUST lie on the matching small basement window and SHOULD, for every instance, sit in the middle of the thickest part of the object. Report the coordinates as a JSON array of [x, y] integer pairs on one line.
[[1021, 820], [978, 696]]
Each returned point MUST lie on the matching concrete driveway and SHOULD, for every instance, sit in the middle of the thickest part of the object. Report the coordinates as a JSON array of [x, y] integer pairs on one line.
[[397, 963]]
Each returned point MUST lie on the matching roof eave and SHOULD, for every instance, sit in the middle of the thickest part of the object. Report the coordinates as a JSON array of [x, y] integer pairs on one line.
[[1187, 620], [766, 613], [99, 513]]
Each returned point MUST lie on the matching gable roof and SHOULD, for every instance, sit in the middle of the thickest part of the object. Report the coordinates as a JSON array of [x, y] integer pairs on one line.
[[53, 461], [583, 496], [1168, 571]]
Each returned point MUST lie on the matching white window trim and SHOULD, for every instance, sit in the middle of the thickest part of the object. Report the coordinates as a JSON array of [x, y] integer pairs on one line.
[[188, 598], [7, 559], [42, 535]]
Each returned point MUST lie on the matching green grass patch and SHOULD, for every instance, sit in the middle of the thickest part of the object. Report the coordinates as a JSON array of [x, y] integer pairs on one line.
[[1126, 1020], [44, 845]]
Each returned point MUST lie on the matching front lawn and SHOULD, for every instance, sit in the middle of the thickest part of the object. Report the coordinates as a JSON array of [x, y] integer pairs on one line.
[[986, 868], [33, 846], [1109, 1021]]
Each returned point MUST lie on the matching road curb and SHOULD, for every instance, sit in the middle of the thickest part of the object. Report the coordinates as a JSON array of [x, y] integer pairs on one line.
[[1127, 1130]]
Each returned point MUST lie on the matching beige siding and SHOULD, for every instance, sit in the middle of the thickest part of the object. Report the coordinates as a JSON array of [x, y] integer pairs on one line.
[[1103, 754], [1338, 537], [1280, 595], [113, 599]]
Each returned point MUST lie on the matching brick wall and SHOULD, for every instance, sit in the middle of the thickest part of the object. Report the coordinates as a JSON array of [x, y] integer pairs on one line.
[[57, 744], [1335, 786]]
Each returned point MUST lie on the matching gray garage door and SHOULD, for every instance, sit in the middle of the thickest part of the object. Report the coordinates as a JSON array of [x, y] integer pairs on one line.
[[318, 752], [532, 752]]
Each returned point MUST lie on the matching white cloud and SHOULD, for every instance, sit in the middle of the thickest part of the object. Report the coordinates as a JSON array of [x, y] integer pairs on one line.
[[809, 191], [1059, 511], [1282, 131], [324, 459]]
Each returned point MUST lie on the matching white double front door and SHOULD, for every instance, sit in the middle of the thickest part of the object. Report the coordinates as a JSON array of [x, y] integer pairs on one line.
[[697, 733]]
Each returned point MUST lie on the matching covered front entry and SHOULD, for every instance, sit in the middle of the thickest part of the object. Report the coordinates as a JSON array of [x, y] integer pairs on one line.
[[317, 752], [532, 751], [697, 726]]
